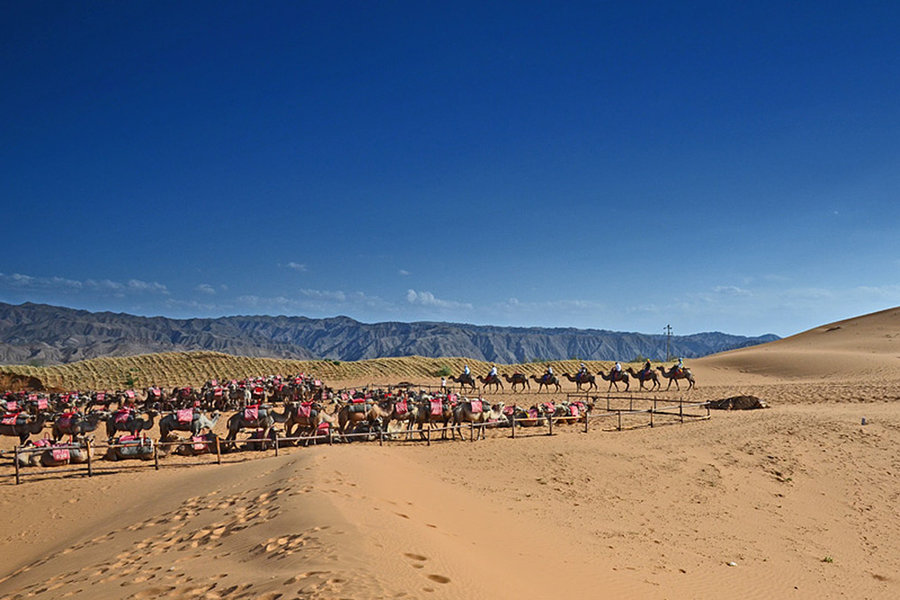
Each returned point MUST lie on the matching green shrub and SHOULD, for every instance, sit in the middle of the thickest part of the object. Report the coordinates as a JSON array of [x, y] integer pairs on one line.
[[444, 371]]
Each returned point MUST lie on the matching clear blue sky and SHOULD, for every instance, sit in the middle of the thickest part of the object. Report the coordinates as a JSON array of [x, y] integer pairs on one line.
[[617, 165]]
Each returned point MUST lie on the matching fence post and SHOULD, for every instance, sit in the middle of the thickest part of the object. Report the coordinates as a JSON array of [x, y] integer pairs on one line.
[[651, 414], [471, 431], [514, 424], [681, 411], [587, 417], [428, 433], [156, 456], [89, 453], [276, 443], [380, 436], [218, 452], [16, 460], [620, 419]]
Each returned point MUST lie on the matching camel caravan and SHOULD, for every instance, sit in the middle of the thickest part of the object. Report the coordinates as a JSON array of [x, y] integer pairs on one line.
[[294, 410]]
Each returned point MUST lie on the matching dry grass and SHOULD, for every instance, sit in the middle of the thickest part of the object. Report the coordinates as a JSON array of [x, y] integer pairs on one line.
[[193, 368]]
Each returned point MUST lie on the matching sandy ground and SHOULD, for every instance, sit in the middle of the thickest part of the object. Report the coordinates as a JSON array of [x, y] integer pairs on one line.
[[798, 501]]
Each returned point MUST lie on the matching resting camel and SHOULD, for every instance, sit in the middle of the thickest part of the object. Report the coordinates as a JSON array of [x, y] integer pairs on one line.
[[581, 378], [127, 420], [675, 374], [464, 381], [195, 422], [493, 380], [355, 413], [21, 425], [305, 418], [518, 379], [547, 380], [643, 376], [465, 412], [614, 380]]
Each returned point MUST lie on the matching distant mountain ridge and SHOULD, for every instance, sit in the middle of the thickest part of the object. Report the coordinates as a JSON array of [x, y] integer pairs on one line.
[[44, 334]]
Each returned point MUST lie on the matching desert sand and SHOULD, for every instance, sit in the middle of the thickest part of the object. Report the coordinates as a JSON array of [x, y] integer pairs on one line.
[[796, 501]]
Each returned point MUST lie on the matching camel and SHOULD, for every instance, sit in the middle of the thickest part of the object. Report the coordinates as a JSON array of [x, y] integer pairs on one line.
[[464, 381], [355, 413], [306, 418], [75, 424], [469, 411], [265, 419], [21, 425], [518, 379], [547, 380], [674, 375], [738, 403], [493, 380], [434, 411], [643, 376], [197, 422], [580, 379], [615, 379], [406, 412], [126, 420], [47, 454]]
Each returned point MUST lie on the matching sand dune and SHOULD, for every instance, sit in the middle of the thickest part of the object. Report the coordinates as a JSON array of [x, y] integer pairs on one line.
[[798, 501]]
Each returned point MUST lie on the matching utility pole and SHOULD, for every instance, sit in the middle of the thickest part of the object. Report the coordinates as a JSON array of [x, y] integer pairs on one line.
[[668, 330]]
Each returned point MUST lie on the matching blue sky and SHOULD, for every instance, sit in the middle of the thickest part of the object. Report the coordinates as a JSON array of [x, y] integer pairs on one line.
[[715, 166]]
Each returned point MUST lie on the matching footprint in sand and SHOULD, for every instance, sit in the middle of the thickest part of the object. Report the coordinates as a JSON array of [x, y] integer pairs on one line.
[[439, 578], [418, 557]]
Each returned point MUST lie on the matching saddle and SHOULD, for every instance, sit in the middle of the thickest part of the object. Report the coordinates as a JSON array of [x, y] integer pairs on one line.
[[251, 413], [476, 406], [9, 419], [437, 408], [12, 406], [185, 416], [305, 410], [400, 407], [122, 416]]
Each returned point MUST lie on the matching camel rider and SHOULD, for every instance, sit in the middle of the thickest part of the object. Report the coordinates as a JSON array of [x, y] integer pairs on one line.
[[616, 371], [492, 376], [466, 371], [646, 367], [679, 367], [582, 371]]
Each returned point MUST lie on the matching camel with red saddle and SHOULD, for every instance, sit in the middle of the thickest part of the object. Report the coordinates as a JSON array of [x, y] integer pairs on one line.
[[187, 419], [255, 416], [129, 421], [360, 411], [76, 424], [491, 380], [476, 412], [21, 425], [436, 410]]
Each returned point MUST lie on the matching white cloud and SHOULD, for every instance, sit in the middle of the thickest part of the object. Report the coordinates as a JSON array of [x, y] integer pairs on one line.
[[205, 288], [429, 299], [403, 272], [297, 267], [62, 284]]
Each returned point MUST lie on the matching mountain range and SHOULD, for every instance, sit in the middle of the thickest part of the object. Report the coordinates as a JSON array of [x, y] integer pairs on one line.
[[41, 334]]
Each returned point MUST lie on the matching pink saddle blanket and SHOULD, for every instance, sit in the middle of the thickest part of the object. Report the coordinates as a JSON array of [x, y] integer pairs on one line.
[[401, 407], [251, 413], [476, 406], [305, 409], [12, 405], [437, 408], [60, 454], [42, 404], [9, 419], [122, 416], [185, 416], [199, 443]]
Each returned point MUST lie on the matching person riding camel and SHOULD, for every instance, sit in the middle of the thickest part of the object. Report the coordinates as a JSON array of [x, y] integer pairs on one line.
[[466, 371], [616, 371], [582, 370], [678, 367], [646, 367], [492, 376]]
